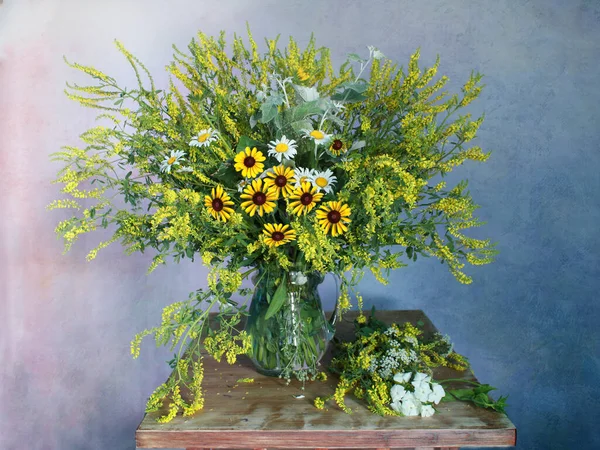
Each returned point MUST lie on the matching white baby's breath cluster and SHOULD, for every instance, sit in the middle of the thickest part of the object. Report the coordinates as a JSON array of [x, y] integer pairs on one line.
[[400, 354], [415, 394]]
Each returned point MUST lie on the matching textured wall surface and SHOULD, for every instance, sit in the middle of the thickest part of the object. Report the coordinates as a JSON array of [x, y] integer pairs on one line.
[[529, 323]]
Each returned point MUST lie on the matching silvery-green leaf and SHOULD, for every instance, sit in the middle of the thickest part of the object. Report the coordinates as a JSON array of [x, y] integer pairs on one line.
[[308, 109], [268, 111], [356, 86], [358, 144], [349, 96], [354, 57], [254, 120], [300, 125], [308, 94], [275, 99], [336, 120], [378, 55], [375, 53], [278, 121]]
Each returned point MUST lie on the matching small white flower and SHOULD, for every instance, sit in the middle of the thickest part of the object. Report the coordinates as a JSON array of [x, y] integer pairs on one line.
[[402, 377], [324, 181], [242, 184], [171, 160], [427, 411], [410, 405], [422, 392], [320, 137], [185, 169], [302, 175], [396, 405], [282, 148], [204, 138], [420, 378], [397, 392], [436, 394]]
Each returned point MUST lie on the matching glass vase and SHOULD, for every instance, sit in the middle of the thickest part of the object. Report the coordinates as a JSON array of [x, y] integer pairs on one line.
[[287, 324]]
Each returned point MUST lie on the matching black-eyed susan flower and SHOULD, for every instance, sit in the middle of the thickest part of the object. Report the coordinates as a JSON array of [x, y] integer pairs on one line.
[[334, 216], [304, 198], [320, 137], [324, 180], [249, 162], [282, 178], [338, 147], [219, 204], [277, 234], [204, 138], [302, 175], [282, 148], [259, 198], [171, 160]]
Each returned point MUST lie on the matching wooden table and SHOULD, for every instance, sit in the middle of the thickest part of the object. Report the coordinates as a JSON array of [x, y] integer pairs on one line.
[[266, 415]]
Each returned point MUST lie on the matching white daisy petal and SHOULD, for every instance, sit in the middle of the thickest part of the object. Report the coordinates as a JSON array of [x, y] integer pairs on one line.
[[282, 148], [302, 175], [319, 136], [171, 160], [204, 138], [324, 180]]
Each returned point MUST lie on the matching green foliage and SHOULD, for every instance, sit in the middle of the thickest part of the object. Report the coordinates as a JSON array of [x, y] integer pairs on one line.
[[478, 395]]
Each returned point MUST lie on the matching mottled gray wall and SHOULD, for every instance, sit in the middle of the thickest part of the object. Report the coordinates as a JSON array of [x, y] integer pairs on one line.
[[529, 323]]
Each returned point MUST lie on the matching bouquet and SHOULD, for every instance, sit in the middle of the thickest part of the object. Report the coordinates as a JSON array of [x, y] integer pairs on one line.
[[275, 168]]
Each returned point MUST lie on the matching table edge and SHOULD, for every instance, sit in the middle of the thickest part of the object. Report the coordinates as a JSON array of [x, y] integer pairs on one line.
[[472, 437]]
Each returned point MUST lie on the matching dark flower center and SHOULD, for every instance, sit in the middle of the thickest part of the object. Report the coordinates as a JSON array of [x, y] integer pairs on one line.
[[259, 198], [334, 216], [277, 236], [280, 181], [306, 198], [217, 204], [249, 161], [337, 144]]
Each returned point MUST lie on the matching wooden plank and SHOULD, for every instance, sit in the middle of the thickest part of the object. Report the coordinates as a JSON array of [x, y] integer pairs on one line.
[[265, 414]]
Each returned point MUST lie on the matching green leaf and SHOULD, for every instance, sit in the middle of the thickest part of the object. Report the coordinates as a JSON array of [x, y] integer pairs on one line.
[[355, 57], [355, 86], [349, 96], [244, 142], [278, 298], [269, 111]]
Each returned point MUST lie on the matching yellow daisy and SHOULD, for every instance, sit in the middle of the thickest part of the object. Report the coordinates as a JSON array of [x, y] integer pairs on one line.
[[333, 216], [338, 147], [218, 204], [278, 234], [283, 179], [304, 198], [258, 198], [249, 162]]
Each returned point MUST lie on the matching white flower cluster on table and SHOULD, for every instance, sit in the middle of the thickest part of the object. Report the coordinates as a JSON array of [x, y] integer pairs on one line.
[[418, 402], [396, 357]]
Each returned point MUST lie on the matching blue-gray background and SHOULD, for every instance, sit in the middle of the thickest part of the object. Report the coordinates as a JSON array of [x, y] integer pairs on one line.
[[529, 322]]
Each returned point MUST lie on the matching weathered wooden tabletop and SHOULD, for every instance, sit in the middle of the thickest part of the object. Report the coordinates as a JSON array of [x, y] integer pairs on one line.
[[266, 414]]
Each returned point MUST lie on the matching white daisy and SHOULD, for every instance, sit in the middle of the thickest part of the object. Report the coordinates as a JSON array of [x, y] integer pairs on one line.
[[204, 138], [282, 148], [242, 184], [320, 137], [324, 181], [302, 175], [171, 160]]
